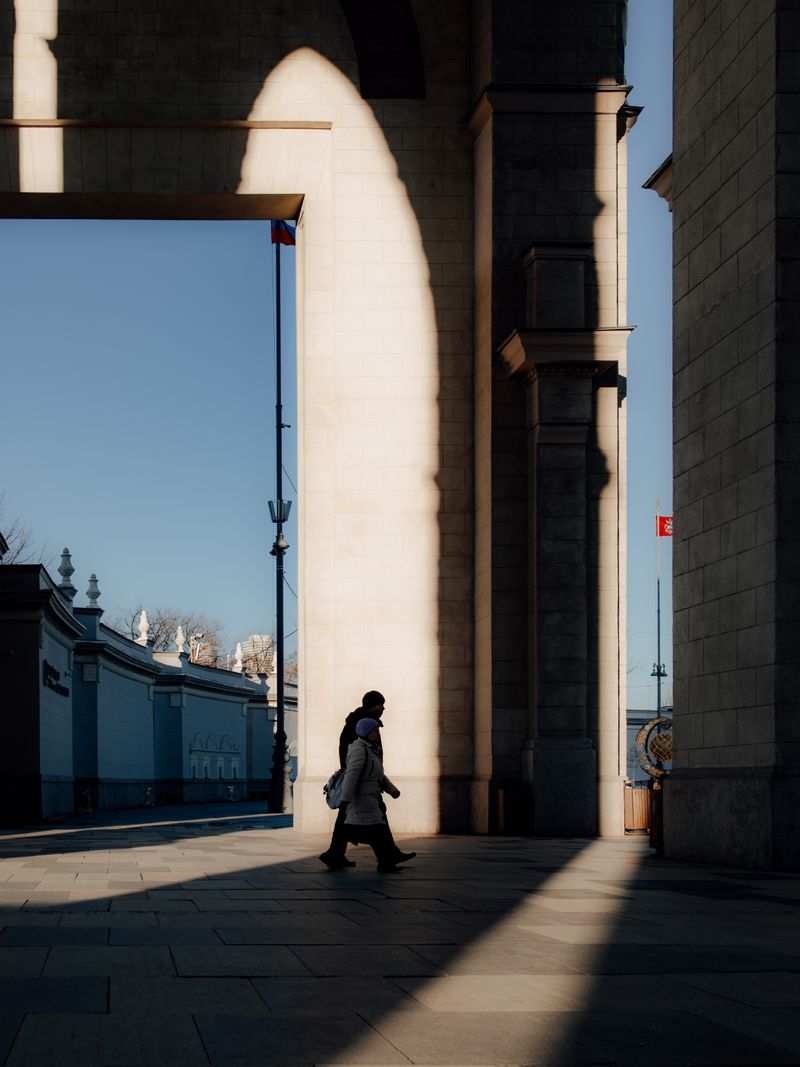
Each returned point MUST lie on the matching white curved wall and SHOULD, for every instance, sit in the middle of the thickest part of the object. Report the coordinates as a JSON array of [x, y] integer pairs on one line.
[[371, 400]]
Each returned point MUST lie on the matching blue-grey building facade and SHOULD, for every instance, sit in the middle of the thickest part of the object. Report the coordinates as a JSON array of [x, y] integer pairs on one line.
[[96, 720]]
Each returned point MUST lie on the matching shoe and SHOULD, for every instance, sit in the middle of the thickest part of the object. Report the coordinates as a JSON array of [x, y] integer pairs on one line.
[[404, 857], [336, 863], [384, 868]]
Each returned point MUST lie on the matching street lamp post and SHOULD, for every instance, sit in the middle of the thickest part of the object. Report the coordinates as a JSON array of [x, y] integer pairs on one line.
[[279, 512]]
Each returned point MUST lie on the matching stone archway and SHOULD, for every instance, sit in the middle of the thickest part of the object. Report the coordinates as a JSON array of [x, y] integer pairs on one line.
[[375, 419], [422, 530], [371, 433]]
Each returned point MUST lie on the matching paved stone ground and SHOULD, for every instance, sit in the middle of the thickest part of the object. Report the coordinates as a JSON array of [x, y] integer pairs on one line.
[[214, 936]]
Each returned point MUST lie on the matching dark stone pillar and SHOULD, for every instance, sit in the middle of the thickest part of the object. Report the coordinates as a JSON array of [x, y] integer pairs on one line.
[[559, 760], [571, 757]]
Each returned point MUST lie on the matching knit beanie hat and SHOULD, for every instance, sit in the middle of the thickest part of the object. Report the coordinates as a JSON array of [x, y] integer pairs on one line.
[[366, 726]]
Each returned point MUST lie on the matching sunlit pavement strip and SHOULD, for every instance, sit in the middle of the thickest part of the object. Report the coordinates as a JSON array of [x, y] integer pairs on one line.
[[213, 935]]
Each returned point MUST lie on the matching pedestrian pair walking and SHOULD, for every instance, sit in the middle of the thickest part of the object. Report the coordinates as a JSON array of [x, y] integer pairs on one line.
[[362, 818]]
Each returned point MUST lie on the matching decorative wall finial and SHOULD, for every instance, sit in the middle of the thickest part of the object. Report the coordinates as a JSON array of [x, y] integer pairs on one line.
[[93, 592], [66, 570], [180, 641], [144, 628]]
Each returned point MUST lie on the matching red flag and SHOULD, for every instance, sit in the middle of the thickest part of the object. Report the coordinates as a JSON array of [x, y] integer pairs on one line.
[[663, 526], [283, 233]]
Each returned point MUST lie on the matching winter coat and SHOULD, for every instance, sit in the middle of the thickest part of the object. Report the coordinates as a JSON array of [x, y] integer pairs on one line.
[[349, 735], [364, 781]]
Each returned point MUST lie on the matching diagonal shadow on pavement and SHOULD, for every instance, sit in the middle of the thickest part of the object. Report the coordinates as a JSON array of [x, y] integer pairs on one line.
[[138, 938]]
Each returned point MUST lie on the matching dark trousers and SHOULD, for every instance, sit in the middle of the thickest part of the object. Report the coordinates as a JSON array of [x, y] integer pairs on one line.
[[341, 837], [378, 837]]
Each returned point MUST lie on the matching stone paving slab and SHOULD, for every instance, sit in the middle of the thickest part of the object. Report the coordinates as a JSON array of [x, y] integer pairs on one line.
[[331, 996], [35, 995], [246, 960], [240, 1041], [680, 1038], [29, 918], [159, 935], [364, 960], [166, 994], [427, 1037], [492, 958], [109, 919], [28, 936], [764, 990], [557, 992], [112, 1039], [81, 961], [780, 1026], [293, 933], [22, 962], [173, 936]]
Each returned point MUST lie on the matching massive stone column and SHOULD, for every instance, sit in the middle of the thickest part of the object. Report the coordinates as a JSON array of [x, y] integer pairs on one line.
[[422, 518], [734, 792], [571, 765], [550, 253]]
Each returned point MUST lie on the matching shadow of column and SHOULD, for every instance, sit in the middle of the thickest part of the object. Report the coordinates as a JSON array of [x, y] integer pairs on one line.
[[277, 959]]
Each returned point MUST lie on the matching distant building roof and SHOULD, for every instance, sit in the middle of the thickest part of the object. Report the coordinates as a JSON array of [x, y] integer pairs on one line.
[[660, 181]]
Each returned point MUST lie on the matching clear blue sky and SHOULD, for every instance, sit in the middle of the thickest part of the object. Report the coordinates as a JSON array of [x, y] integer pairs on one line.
[[648, 68], [124, 336]]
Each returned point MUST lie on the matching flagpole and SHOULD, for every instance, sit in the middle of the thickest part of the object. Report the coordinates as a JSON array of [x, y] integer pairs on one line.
[[658, 606]]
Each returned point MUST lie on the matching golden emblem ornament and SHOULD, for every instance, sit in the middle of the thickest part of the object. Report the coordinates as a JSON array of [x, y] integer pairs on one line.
[[654, 745], [661, 747]]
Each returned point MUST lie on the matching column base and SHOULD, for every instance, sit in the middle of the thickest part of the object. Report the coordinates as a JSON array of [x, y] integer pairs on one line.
[[743, 817], [611, 806], [500, 806], [561, 774]]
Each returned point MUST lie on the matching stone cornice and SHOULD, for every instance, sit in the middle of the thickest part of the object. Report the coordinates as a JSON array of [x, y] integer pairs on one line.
[[29, 595], [100, 651], [565, 350], [167, 124], [547, 99], [172, 681], [660, 181], [151, 205]]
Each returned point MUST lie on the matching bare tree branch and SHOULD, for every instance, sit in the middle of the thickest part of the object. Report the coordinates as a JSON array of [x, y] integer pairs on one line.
[[163, 625], [19, 536], [290, 668]]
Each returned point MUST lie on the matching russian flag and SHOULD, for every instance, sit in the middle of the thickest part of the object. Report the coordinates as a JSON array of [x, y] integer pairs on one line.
[[283, 233]]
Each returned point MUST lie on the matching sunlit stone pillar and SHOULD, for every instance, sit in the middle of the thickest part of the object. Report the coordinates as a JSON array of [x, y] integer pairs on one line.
[[35, 97]]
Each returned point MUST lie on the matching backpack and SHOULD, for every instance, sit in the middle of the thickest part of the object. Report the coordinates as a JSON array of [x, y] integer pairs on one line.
[[333, 789]]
